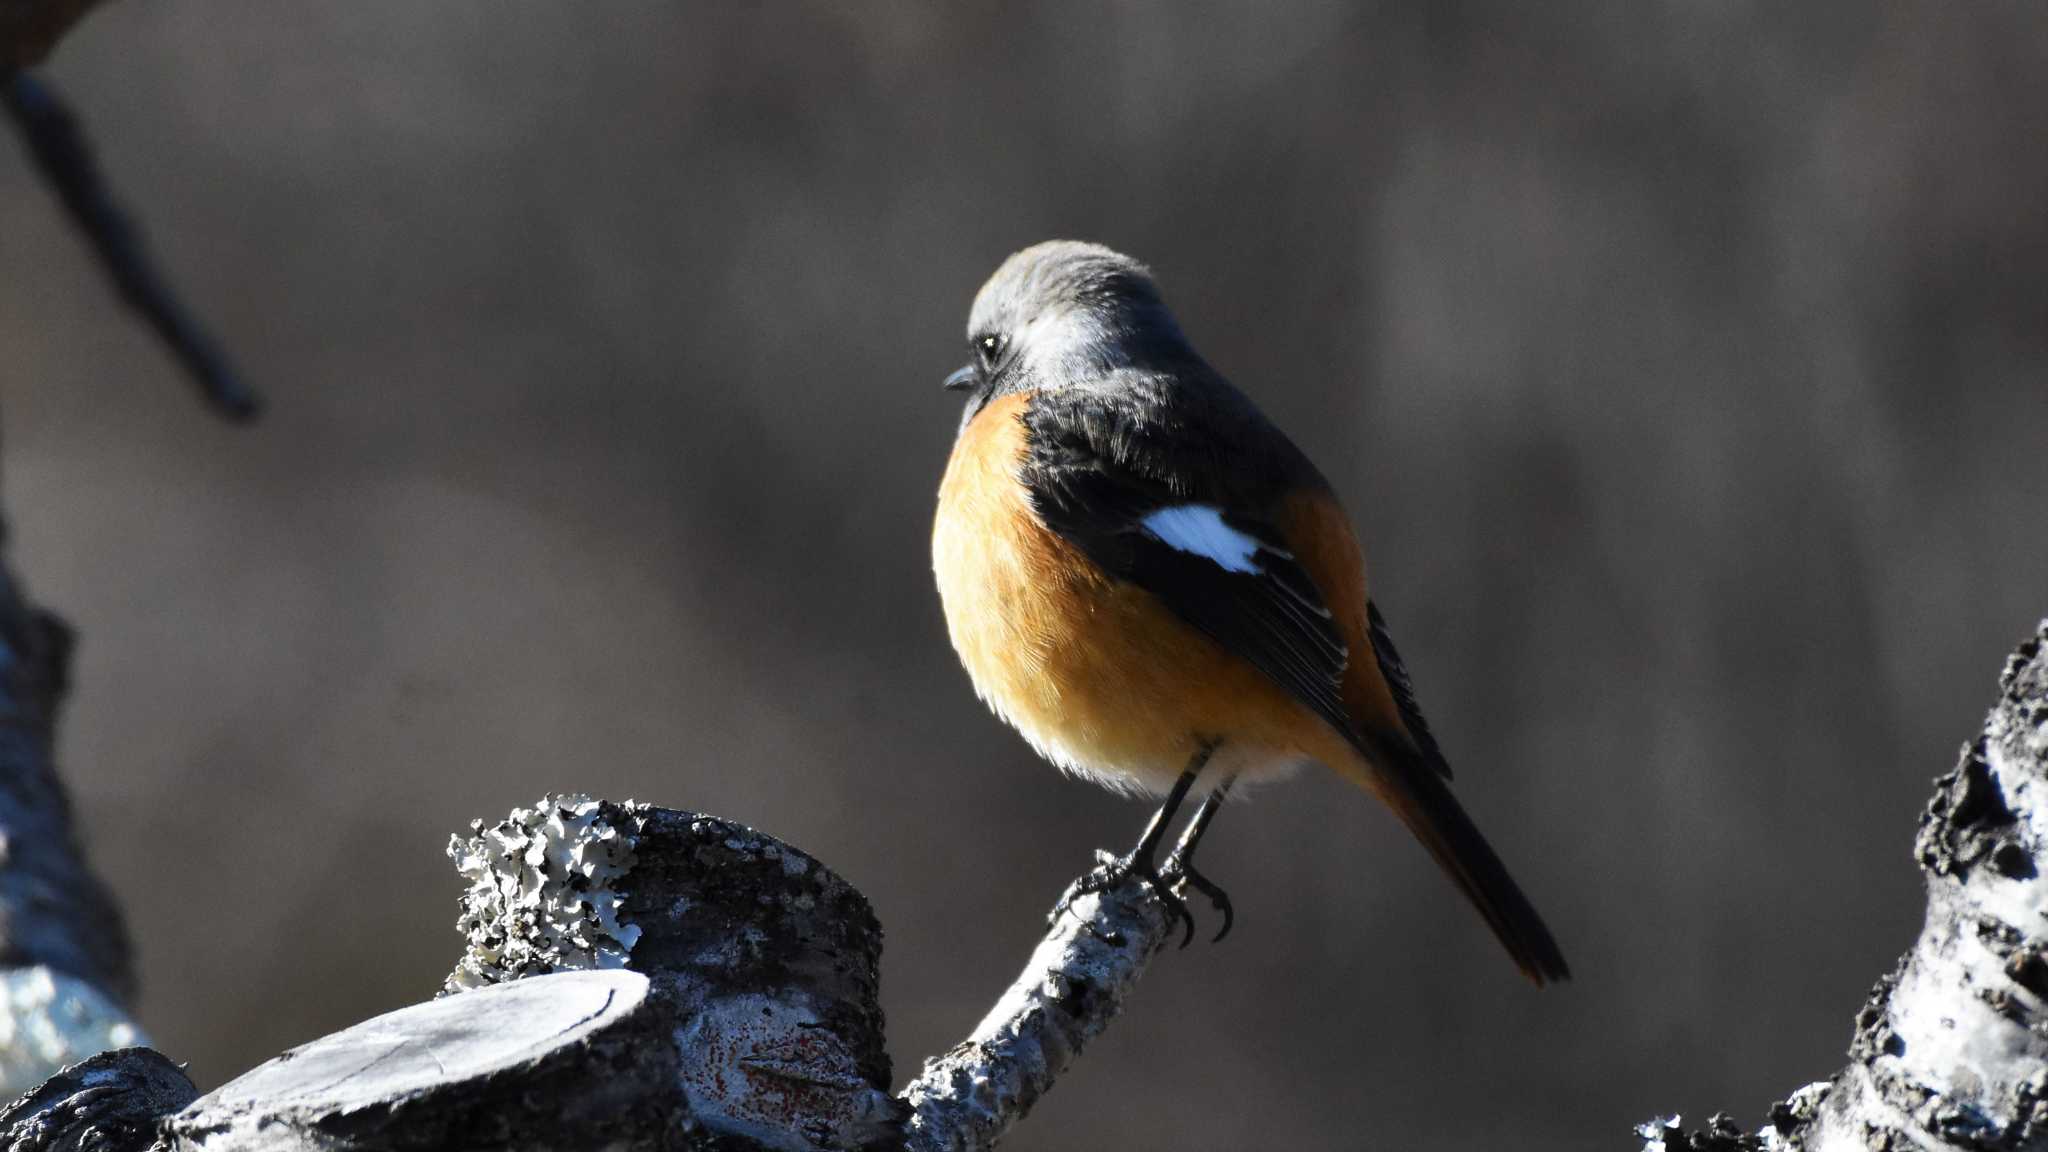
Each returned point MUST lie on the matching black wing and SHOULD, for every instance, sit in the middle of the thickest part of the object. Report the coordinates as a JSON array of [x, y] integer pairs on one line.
[[1096, 468], [1396, 674]]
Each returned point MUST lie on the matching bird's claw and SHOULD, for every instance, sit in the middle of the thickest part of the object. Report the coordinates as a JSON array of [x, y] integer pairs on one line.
[[1180, 873], [1111, 871]]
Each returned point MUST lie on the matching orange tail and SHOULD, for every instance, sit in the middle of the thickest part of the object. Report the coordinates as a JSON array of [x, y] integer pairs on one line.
[[1424, 803]]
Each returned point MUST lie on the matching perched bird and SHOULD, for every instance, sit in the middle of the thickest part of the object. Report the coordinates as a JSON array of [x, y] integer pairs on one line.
[[1153, 585]]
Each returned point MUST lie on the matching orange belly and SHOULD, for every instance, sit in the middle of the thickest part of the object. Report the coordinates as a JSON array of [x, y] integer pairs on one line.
[[1099, 676]]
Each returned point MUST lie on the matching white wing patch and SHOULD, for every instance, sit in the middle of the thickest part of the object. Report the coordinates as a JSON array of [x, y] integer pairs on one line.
[[1199, 529]]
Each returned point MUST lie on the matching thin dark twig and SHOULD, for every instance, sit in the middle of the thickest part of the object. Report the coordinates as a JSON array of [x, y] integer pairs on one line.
[[61, 152]]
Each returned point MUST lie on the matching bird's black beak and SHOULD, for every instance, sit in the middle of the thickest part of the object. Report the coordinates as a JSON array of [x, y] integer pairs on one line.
[[964, 379]]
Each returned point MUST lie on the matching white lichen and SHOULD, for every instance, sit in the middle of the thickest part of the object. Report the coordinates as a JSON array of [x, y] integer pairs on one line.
[[1071, 988], [1656, 1132], [541, 895]]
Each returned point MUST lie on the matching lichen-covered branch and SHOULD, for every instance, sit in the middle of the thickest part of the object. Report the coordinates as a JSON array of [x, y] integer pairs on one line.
[[1074, 984], [1951, 1049], [749, 1018], [634, 978], [771, 962], [774, 963], [639, 979]]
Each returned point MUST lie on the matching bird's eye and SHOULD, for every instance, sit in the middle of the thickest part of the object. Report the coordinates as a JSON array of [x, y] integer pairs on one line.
[[989, 348]]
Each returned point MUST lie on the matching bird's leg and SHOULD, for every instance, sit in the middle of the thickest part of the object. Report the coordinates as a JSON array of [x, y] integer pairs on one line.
[[1143, 860], [1180, 866]]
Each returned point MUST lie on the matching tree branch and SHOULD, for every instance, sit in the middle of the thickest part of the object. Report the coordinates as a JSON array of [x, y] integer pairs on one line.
[[729, 979], [1074, 984], [65, 972], [1951, 1049], [772, 962], [111, 1102], [640, 978], [57, 141]]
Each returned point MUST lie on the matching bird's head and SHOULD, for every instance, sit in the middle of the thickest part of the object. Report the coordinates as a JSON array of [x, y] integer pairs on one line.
[[1065, 313]]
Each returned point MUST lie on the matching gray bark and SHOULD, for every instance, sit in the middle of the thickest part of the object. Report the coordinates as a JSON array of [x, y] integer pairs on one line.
[[770, 961], [642, 978], [1951, 1048], [639, 978], [115, 1100], [65, 968], [762, 966], [54, 912], [574, 1060], [636, 978]]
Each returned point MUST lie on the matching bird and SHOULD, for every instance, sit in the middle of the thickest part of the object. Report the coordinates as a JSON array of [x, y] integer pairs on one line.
[[1158, 590]]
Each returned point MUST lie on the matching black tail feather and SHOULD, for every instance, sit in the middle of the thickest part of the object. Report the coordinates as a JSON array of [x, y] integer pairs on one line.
[[1425, 803]]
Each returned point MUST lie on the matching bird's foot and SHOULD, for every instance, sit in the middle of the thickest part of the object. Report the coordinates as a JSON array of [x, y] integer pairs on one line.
[[1180, 872], [1111, 871]]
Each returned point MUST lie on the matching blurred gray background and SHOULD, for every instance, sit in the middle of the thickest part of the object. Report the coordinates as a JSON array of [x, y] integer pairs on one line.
[[1683, 365]]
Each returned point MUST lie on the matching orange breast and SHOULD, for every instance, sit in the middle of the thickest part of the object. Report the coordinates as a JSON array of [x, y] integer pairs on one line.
[[1099, 676]]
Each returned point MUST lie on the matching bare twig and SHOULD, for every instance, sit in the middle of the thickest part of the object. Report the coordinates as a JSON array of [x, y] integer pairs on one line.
[[57, 141]]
